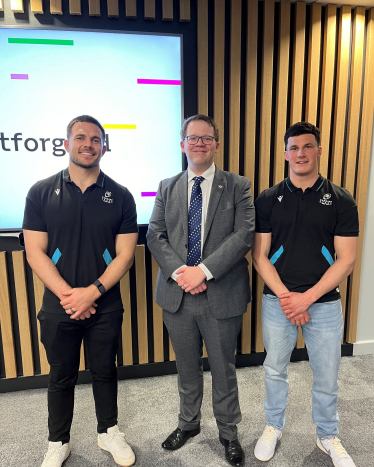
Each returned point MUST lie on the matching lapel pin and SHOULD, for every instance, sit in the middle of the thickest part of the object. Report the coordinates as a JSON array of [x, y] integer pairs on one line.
[[220, 186]]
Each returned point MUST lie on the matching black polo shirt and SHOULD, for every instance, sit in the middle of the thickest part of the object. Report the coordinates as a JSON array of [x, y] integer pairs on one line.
[[303, 226], [81, 230]]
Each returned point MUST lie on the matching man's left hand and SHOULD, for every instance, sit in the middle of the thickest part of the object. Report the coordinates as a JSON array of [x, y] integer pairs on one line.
[[190, 277], [294, 304], [79, 300]]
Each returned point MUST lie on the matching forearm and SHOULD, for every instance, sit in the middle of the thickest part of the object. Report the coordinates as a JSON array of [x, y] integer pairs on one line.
[[116, 270], [269, 274], [331, 279], [47, 272]]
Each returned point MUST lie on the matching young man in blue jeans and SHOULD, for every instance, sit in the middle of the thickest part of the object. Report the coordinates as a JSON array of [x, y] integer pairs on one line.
[[305, 246]]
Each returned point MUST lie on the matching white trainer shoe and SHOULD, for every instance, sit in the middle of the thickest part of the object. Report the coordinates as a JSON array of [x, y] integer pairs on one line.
[[265, 446], [334, 448], [56, 455], [114, 442]]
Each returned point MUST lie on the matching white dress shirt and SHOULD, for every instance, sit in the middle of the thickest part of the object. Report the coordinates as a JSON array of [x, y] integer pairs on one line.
[[206, 187]]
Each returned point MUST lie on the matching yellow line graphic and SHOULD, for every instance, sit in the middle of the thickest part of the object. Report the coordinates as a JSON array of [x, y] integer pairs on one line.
[[110, 126]]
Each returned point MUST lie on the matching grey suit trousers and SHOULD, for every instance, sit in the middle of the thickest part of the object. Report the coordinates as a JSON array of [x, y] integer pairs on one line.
[[187, 327]]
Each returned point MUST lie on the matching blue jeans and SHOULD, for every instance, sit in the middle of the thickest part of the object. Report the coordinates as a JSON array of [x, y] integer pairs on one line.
[[322, 335]]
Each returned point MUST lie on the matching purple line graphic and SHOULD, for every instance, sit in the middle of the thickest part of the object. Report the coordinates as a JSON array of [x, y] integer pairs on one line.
[[18, 76], [175, 82], [149, 193]]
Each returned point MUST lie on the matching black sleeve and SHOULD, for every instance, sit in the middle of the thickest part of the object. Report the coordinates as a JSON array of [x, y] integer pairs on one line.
[[263, 207], [347, 222], [129, 218], [33, 218]]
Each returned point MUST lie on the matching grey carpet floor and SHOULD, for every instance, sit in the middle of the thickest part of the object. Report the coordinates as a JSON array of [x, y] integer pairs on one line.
[[148, 411]]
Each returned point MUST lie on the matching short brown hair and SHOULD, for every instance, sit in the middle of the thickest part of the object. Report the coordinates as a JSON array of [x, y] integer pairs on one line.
[[85, 119], [203, 118]]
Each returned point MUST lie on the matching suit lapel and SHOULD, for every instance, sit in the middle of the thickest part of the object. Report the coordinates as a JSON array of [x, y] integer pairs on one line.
[[183, 200], [218, 186]]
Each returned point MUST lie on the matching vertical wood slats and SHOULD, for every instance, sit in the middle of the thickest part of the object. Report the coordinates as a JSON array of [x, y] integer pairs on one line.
[[251, 94], [327, 85], [354, 103], [202, 57], [167, 10], [235, 59], [363, 172], [17, 6], [149, 9], [265, 133], [131, 9], [36, 6], [184, 11], [341, 94], [56, 7], [94, 7], [126, 326], [6, 321], [311, 104], [158, 326], [298, 64], [113, 8], [38, 294], [219, 76], [75, 7], [141, 301], [281, 90], [23, 312], [1, 5]]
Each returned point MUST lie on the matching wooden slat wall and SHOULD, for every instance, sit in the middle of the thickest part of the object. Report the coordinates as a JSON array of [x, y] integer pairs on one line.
[[219, 75], [7, 334], [149, 9], [17, 6], [36, 6], [1, 5], [19, 268], [342, 108]]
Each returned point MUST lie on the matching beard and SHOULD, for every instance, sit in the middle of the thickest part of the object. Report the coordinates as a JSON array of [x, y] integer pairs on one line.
[[87, 165]]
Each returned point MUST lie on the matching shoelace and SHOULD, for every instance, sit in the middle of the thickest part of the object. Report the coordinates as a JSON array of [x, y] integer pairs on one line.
[[340, 451], [267, 437], [118, 439]]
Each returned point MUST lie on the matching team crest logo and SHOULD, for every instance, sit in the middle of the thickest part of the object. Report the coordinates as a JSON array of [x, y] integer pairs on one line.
[[57, 191], [325, 200], [279, 198], [107, 198]]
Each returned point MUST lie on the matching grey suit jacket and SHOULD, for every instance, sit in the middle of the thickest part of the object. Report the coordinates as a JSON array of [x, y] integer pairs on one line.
[[228, 236]]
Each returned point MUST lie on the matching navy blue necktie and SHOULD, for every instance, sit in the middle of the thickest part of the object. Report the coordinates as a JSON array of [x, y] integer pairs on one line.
[[194, 224]]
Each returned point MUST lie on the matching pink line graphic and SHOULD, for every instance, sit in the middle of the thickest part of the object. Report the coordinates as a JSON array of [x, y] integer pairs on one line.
[[149, 193], [18, 76], [175, 82]]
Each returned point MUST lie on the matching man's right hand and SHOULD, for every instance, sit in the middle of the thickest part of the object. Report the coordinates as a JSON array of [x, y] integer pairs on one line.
[[301, 319]]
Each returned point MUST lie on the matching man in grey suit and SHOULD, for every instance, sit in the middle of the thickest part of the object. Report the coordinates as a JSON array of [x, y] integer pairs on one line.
[[201, 228]]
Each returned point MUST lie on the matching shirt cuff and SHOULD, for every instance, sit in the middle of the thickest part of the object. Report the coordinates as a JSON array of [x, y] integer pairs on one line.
[[174, 275], [206, 271]]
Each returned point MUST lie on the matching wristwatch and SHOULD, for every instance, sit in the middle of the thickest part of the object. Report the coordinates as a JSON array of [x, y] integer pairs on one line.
[[100, 286]]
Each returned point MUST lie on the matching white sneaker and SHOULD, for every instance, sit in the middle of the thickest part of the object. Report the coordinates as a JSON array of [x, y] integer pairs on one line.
[[265, 446], [334, 448], [114, 442], [56, 454]]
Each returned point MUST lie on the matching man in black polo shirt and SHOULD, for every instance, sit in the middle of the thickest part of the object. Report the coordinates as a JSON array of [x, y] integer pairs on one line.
[[80, 235], [305, 246]]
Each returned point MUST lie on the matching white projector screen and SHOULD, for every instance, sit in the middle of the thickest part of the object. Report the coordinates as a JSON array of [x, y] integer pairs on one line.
[[130, 82]]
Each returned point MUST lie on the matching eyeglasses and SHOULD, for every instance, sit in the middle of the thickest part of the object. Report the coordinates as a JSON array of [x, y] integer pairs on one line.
[[207, 140]]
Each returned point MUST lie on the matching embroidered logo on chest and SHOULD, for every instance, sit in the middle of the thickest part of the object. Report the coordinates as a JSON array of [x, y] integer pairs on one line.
[[325, 200], [107, 198]]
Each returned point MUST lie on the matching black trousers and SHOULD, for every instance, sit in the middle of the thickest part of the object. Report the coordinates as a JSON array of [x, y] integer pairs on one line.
[[62, 339]]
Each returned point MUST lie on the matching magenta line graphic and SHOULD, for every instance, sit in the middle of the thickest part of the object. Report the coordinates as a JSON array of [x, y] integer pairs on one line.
[[149, 193], [18, 76], [175, 82]]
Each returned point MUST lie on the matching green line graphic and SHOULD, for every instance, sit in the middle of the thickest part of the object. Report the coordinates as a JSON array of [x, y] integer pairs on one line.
[[40, 41]]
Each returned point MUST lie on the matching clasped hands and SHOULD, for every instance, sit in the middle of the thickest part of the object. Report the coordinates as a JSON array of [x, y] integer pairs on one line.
[[295, 306], [191, 279], [81, 300]]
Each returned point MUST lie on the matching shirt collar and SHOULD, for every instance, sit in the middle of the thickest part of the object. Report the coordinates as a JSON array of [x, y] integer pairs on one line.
[[316, 187], [99, 181], [208, 174]]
